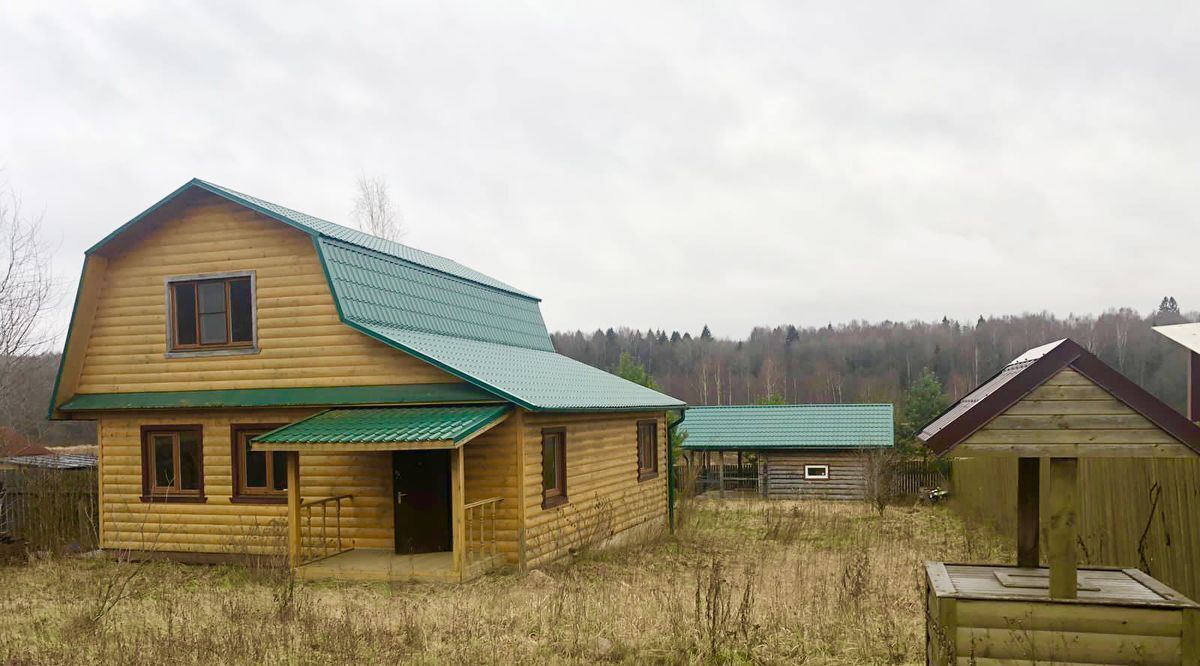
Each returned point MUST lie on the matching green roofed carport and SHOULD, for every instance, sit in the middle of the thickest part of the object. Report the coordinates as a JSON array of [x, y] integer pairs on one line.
[[384, 429], [775, 427]]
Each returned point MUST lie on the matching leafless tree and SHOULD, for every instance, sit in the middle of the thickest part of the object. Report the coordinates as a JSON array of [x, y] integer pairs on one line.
[[879, 476], [26, 291], [374, 211]]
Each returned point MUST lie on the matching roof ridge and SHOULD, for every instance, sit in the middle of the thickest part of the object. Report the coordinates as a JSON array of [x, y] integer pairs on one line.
[[297, 217], [384, 256]]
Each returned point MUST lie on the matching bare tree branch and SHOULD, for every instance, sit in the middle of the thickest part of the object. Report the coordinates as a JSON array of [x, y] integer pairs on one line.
[[374, 211], [26, 289]]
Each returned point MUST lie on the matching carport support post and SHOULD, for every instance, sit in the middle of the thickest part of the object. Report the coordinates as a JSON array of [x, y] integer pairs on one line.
[[293, 504], [721, 474], [1028, 490], [1061, 546]]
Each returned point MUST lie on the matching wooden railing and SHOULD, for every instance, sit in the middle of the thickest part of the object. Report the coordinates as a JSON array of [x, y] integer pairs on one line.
[[325, 539], [481, 527]]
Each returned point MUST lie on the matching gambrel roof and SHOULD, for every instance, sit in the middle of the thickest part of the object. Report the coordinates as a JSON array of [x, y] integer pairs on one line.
[[468, 324]]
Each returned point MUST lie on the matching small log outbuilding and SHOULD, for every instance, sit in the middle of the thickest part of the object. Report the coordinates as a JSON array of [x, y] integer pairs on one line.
[[1052, 406], [813, 451]]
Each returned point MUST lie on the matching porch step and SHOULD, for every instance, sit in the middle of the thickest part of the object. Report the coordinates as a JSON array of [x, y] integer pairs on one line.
[[383, 565]]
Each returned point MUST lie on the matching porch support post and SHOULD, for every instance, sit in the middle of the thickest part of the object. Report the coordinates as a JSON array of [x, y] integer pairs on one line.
[[1028, 499], [1061, 547], [293, 504], [519, 426], [457, 502]]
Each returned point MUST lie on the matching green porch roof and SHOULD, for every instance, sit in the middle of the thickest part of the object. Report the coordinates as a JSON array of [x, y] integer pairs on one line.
[[282, 397], [774, 427], [385, 425]]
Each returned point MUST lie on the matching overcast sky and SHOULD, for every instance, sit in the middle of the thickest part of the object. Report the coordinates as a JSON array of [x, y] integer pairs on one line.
[[652, 164]]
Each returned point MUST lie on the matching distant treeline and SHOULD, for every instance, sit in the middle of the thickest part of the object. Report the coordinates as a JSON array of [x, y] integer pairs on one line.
[[24, 409], [855, 362], [874, 362]]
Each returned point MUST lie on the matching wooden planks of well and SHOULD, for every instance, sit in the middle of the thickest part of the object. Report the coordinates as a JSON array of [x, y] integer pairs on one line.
[[996, 614]]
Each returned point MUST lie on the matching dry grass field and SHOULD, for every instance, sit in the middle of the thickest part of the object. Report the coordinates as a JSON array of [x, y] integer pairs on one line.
[[742, 582]]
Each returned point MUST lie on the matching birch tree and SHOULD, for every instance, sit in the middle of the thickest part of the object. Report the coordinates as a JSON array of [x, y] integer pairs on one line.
[[26, 289], [374, 212]]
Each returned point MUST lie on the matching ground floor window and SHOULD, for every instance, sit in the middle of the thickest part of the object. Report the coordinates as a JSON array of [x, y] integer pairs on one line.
[[554, 467], [647, 440], [172, 463], [816, 471], [258, 475]]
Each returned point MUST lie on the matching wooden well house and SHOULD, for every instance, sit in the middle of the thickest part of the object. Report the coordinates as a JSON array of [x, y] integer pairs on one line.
[[1050, 407]]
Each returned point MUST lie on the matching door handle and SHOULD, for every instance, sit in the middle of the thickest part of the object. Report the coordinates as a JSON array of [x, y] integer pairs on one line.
[[400, 495]]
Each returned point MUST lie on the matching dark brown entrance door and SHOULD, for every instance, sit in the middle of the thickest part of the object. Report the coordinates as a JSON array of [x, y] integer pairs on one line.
[[421, 494]]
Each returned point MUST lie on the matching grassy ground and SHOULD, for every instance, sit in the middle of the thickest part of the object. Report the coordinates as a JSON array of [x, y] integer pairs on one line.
[[813, 583]]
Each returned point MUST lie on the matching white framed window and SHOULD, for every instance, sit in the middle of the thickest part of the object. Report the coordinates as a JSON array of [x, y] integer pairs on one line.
[[817, 472]]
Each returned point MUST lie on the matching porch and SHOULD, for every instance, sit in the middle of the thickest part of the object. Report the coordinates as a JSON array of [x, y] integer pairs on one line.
[[440, 532], [384, 565]]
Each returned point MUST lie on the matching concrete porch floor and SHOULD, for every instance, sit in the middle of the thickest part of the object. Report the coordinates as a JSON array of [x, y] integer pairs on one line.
[[385, 565]]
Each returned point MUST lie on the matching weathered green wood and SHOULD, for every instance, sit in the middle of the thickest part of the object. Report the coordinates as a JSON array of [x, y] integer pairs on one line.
[[1040, 615], [1061, 543], [1028, 497], [1189, 648]]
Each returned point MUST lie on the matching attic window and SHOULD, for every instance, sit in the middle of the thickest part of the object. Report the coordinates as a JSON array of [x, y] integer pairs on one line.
[[211, 314]]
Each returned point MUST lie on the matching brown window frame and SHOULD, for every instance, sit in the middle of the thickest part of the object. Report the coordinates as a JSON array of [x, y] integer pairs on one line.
[[556, 495], [241, 493], [647, 472], [174, 347], [152, 493]]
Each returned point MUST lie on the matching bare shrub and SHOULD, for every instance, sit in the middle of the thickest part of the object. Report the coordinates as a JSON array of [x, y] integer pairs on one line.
[[880, 468], [721, 624]]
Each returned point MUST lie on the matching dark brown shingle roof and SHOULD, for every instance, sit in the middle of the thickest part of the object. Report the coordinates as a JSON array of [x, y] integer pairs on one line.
[[1029, 371]]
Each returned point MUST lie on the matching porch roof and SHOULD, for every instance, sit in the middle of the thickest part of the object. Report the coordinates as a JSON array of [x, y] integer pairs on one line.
[[384, 429]]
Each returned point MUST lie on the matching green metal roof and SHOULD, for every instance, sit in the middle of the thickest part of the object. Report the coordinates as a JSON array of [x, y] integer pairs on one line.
[[466, 323], [535, 379], [315, 226], [789, 427], [282, 397], [387, 425], [374, 288]]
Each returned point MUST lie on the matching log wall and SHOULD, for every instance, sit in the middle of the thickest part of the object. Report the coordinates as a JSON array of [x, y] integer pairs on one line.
[[604, 497], [783, 475], [491, 471], [219, 525], [301, 340]]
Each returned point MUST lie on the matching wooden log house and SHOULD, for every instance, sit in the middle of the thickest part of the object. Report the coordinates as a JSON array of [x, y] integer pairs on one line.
[[266, 382], [1051, 407], [786, 451]]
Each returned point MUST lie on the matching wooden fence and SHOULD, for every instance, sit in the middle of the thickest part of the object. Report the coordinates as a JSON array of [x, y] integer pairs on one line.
[[49, 509], [1142, 513], [910, 476]]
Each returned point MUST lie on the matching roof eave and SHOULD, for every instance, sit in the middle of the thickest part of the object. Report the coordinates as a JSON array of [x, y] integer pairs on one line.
[[1068, 354]]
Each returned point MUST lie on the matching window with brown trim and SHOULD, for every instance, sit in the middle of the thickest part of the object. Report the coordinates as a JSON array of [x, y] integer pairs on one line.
[[172, 463], [647, 443], [554, 467], [211, 314], [259, 476]]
